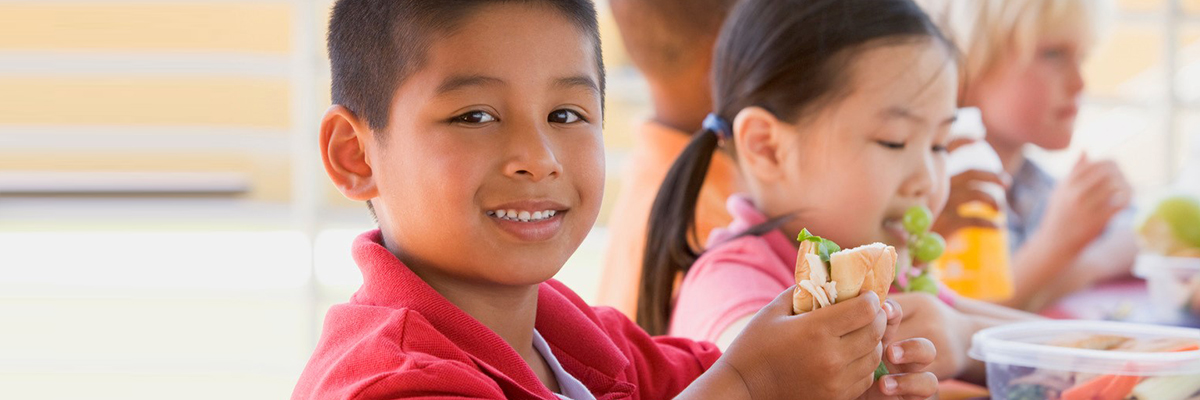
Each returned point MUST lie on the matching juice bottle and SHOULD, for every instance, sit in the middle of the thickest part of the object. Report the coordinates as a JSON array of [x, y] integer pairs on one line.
[[976, 261]]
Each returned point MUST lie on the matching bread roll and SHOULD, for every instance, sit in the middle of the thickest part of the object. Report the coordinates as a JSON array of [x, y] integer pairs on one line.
[[802, 301], [871, 266]]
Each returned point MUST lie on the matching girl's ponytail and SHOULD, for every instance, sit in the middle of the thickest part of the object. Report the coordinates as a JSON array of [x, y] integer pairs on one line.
[[789, 57], [672, 229]]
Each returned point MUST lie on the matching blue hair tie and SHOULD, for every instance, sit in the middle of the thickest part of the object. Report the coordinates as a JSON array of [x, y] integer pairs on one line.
[[717, 125]]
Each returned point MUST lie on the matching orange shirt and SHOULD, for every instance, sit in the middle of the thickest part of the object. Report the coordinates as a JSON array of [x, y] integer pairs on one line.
[[656, 149]]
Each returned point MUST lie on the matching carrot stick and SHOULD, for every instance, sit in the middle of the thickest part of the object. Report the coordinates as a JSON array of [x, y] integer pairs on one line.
[[1120, 387], [1089, 390]]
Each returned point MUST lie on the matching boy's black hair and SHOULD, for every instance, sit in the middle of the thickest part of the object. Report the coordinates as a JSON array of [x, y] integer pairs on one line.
[[789, 57], [374, 45]]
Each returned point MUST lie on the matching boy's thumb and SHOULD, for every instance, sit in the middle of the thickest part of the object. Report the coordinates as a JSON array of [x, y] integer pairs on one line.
[[782, 303]]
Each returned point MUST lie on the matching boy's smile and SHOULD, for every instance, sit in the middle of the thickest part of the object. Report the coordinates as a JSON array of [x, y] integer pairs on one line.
[[529, 220], [491, 168]]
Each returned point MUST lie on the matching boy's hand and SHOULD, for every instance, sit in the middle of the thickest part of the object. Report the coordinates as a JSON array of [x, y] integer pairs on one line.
[[1085, 200], [828, 353]]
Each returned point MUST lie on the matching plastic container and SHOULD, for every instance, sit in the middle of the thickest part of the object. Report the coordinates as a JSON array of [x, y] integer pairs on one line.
[[1172, 282], [1030, 360], [976, 261]]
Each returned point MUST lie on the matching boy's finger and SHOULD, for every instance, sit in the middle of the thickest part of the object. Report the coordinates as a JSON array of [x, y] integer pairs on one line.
[[782, 305], [920, 385], [1080, 164], [910, 355], [866, 364], [851, 315], [865, 339]]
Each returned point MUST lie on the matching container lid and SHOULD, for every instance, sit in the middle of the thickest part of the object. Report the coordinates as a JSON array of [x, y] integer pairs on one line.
[[1150, 264], [1027, 344]]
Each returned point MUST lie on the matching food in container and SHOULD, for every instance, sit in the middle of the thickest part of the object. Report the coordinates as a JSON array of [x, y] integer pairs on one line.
[[1092, 360]]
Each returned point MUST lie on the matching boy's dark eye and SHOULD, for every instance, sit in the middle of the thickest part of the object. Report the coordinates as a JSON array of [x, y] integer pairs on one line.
[[564, 117], [891, 145], [941, 148], [474, 118]]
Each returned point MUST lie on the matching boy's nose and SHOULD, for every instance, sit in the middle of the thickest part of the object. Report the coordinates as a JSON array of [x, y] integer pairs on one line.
[[532, 156]]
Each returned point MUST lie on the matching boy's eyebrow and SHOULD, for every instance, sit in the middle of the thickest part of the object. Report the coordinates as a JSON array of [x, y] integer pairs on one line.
[[457, 82], [577, 81], [904, 113]]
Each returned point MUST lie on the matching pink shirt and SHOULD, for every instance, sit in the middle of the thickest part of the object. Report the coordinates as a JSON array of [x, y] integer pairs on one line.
[[735, 278]]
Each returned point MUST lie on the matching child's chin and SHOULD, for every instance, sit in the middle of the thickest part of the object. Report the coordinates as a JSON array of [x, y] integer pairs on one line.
[[529, 267]]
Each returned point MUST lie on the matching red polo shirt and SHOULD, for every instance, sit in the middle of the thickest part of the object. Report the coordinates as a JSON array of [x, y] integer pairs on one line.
[[398, 338]]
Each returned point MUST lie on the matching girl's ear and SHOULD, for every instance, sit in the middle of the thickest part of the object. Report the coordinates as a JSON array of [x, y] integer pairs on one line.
[[756, 134], [345, 141]]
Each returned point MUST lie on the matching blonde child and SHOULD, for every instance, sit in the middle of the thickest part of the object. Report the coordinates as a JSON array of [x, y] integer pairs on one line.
[[476, 138], [1022, 69]]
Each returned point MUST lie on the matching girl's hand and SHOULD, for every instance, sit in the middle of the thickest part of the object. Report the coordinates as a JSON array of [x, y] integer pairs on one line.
[[949, 331], [968, 187], [829, 353], [905, 359]]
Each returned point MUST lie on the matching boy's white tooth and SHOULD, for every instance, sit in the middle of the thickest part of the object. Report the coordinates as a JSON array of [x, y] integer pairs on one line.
[[537, 215], [551, 212], [523, 215], [500, 213]]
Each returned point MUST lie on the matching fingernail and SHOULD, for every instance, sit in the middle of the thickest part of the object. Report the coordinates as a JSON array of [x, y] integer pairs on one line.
[[887, 307], [889, 385], [897, 352]]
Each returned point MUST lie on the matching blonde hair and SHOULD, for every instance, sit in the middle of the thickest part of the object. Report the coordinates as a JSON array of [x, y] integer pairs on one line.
[[988, 31]]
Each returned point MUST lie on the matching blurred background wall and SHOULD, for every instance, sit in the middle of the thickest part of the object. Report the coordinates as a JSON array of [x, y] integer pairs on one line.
[[166, 229]]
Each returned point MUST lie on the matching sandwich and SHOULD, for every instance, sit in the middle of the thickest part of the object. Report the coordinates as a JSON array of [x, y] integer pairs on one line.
[[826, 274]]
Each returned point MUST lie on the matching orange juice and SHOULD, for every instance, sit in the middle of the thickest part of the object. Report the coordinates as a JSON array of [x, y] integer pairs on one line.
[[976, 261]]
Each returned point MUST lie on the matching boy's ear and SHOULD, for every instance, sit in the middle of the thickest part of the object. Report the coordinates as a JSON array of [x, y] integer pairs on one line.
[[344, 141], [756, 137]]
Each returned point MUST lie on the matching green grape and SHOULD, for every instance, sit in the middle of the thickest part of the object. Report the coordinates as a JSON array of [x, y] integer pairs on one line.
[[917, 220], [928, 246], [923, 283]]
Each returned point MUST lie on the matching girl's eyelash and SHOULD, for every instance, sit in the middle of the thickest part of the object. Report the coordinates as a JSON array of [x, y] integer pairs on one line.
[[891, 145]]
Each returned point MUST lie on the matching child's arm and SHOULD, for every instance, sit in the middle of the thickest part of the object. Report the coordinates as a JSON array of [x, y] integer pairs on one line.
[[835, 349], [951, 329], [1078, 212]]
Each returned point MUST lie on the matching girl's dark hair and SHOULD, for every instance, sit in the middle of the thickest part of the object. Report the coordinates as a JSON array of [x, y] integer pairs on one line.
[[788, 57]]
